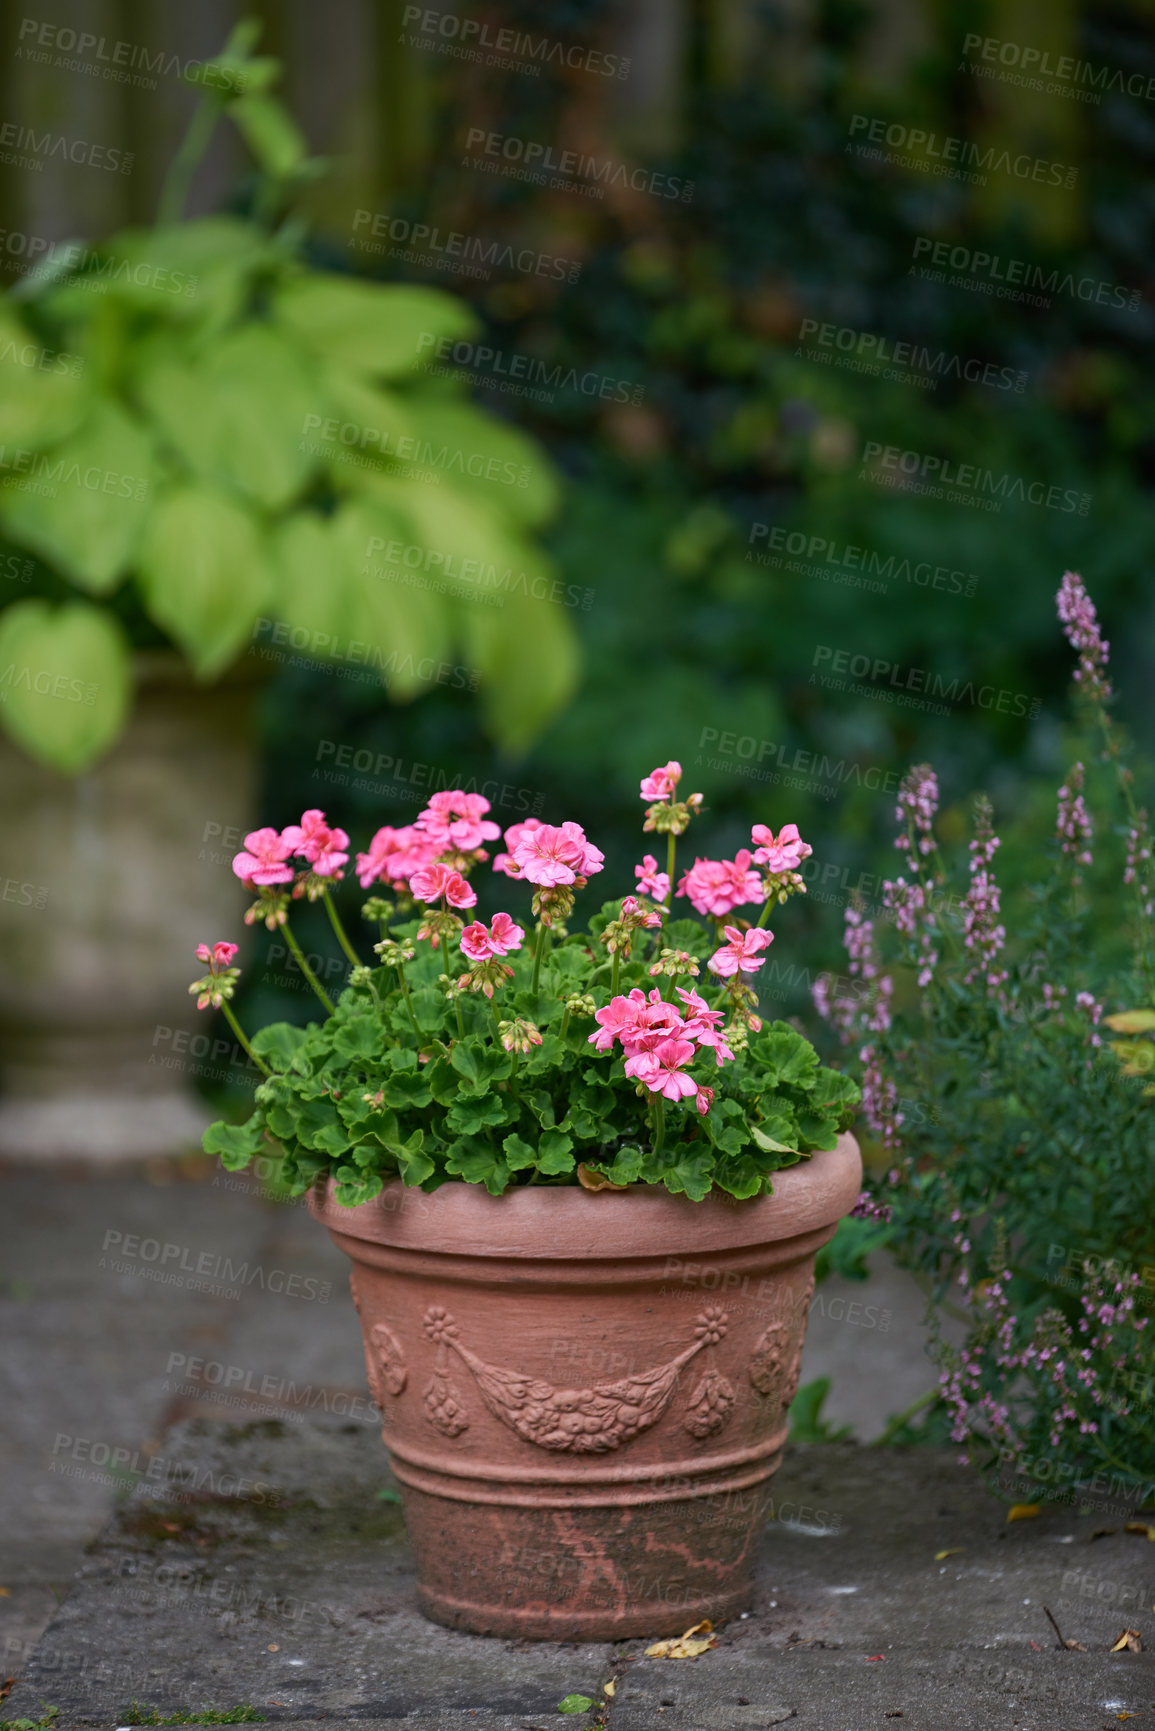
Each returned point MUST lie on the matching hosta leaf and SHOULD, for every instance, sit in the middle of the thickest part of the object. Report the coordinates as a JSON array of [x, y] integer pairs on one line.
[[203, 574], [489, 461], [43, 393], [65, 681], [369, 328], [97, 493]]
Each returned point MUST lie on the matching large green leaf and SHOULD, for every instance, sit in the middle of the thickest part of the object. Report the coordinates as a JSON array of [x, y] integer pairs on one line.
[[204, 574], [65, 681], [87, 521], [43, 392], [186, 271], [486, 459], [239, 418], [270, 133], [382, 331], [406, 625], [528, 656]]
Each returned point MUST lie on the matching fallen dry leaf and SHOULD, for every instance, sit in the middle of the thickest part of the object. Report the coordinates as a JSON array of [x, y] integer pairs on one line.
[[1022, 1512], [957, 1552], [875, 1658], [1036, 1646], [1141, 1527], [610, 1687], [596, 1180], [684, 1647], [1128, 1642], [5, 1592], [1074, 1646], [273, 1648]]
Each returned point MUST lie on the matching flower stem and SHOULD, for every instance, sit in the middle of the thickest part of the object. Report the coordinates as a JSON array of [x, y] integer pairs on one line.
[[659, 1124], [239, 1032], [614, 973], [408, 1002], [306, 969], [456, 1001], [335, 922], [900, 1418], [542, 947], [671, 850]]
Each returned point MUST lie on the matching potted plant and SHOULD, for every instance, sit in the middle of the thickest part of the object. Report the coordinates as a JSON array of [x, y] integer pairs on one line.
[[1012, 1135], [582, 1185], [214, 458]]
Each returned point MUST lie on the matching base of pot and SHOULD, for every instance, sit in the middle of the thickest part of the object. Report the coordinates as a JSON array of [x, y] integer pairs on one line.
[[101, 1128], [547, 1622]]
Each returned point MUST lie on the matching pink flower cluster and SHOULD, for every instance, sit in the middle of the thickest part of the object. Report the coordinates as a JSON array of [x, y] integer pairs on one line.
[[717, 886], [1081, 624], [482, 944], [659, 1040], [264, 859], [1073, 825], [549, 854]]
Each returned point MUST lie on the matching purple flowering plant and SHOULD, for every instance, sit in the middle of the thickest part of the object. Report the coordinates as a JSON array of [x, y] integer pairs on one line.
[[1012, 1134]]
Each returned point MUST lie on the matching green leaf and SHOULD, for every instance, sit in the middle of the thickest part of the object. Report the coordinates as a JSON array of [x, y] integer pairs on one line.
[[353, 1187], [479, 1064], [688, 1171], [553, 1153], [626, 1167], [518, 1153], [203, 575], [65, 681], [806, 1422], [237, 417], [575, 1704], [374, 329], [471, 1114], [43, 392], [768, 1144], [358, 1039], [98, 486], [235, 1143], [477, 1163], [784, 1056], [278, 1044], [489, 461], [528, 655], [185, 272], [270, 133], [408, 1090]]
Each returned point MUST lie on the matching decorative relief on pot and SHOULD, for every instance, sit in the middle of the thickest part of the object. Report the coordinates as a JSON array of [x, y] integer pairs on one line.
[[444, 1405], [711, 1404], [577, 1420], [769, 1357], [390, 1358]]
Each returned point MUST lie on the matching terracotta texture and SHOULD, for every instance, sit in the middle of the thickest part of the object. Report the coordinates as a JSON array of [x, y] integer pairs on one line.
[[126, 869], [584, 1395]]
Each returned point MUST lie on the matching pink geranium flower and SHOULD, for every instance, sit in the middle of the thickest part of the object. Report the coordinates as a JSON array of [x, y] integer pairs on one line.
[[632, 909], [661, 783], [784, 854], [314, 841], [652, 882], [431, 882], [661, 1070], [742, 952], [550, 855], [457, 820], [481, 944], [716, 886], [505, 862], [264, 858], [216, 955], [394, 855], [701, 1025], [637, 1021]]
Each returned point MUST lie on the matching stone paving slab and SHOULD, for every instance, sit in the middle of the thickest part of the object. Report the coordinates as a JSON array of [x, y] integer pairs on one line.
[[284, 1580]]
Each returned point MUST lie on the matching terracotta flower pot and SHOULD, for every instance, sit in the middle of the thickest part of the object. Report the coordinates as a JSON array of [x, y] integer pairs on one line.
[[113, 878], [584, 1395]]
